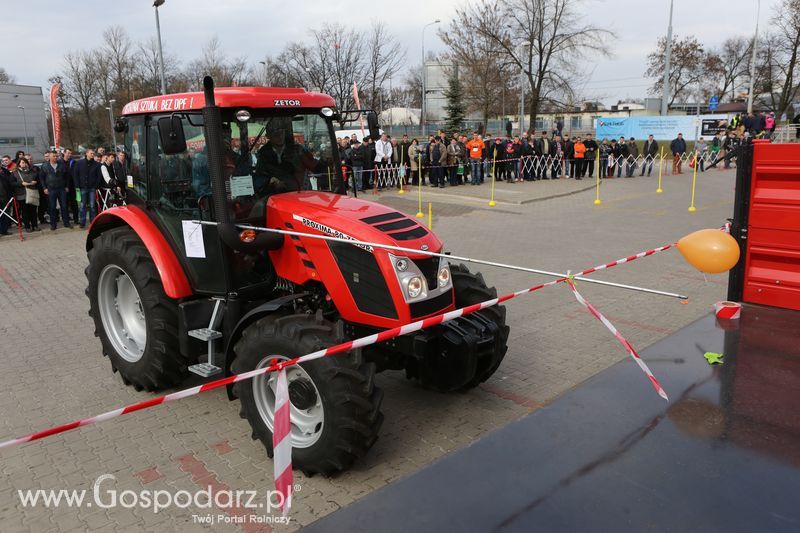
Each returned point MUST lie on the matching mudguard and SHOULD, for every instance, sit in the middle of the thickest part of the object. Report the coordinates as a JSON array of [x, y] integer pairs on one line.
[[173, 278]]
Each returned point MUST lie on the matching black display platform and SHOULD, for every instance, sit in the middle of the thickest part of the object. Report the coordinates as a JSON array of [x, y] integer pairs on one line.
[[610, 455]]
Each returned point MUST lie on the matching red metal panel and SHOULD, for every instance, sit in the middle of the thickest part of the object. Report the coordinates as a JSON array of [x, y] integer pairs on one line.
[[176, 284], [253, 97], [772, 275]]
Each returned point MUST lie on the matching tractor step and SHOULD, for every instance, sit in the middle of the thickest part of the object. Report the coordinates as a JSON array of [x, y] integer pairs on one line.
[[205, 334], [205, 369]]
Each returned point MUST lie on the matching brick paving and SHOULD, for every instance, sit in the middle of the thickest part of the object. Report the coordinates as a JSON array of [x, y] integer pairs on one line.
[[54, 371]]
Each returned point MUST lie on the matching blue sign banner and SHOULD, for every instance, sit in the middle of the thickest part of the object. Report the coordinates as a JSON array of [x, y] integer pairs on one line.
[[713, 103], [662, 128]]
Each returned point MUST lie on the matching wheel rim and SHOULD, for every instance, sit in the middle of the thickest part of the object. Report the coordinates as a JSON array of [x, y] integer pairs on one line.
[[307, 419], [122, 313]]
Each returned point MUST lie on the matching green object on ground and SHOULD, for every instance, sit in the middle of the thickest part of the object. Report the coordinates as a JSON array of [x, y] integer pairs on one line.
[[77, 195], [714, 358]]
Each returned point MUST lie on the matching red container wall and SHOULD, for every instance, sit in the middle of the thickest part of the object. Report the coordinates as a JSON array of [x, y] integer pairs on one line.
[[772, 272]]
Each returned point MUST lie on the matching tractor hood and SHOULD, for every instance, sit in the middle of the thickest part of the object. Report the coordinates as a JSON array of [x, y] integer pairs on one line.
[[349, 218]]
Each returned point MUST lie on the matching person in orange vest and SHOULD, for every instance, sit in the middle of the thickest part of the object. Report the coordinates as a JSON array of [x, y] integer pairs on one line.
[[475, 148], [576, 169]]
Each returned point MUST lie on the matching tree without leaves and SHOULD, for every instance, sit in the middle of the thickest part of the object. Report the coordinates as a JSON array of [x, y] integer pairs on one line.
[[687, 67], [545, 38], [80, 82], [780, 62], [486, 70], [5, 77], [119, 54], [384, 59], [213, 62], [727, 68]]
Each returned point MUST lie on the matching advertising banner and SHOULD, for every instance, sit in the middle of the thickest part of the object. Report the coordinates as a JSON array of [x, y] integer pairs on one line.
[[662, 128]]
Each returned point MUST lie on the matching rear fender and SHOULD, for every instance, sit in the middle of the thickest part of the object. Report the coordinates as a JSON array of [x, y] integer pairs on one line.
[[173, 278]]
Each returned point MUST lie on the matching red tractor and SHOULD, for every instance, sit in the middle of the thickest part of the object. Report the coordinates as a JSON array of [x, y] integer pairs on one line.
[[169, 296]]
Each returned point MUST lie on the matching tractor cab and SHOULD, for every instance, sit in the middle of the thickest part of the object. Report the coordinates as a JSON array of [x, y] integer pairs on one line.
[[272, 141]]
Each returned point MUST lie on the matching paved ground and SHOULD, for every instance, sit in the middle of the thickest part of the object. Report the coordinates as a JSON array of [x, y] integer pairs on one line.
[[53, 370]]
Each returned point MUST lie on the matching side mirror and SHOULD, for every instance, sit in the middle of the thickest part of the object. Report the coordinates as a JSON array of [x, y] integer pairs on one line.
[[372, 124], [170, 132], [121, 125]]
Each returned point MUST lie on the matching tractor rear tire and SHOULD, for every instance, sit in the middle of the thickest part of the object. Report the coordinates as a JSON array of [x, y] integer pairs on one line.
[[134, 319], [471, 289], [335, 405]]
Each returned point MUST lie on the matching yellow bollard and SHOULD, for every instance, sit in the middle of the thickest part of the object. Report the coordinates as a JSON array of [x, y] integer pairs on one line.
[[420, 214], [430, 215], [692, 208], [660, 167], [597, 200], [492, 203]]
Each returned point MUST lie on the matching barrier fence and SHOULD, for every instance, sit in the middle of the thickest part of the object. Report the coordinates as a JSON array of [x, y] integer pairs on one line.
[[395, 175]]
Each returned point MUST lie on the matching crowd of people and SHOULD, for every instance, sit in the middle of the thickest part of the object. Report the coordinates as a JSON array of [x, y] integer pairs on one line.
[[459, 159], [59, 188]]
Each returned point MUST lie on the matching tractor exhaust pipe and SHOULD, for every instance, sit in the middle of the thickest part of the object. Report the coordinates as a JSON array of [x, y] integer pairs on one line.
[[215, 147]]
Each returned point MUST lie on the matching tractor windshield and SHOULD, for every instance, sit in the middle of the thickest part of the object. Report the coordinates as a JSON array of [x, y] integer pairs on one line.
[[269, 153]]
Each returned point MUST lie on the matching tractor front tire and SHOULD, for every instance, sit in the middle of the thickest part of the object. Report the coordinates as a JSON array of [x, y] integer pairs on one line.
[[134, 319], [335, 405], [471, 289]]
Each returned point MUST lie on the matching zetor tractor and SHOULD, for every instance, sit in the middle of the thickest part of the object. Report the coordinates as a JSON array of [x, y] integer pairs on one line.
[[169, 296]]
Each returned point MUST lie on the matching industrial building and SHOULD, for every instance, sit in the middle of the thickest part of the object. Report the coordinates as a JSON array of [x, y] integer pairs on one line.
[[23, 122]]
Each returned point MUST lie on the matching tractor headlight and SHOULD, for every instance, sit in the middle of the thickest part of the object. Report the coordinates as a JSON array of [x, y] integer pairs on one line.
[[326, 111], [243, 115], [414, 287], [444, 277], [401, 265]]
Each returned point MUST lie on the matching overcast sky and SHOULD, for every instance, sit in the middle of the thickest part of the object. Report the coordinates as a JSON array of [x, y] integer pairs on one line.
[[32, 50]]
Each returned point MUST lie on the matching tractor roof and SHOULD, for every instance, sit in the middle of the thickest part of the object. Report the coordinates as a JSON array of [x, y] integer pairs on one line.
[[252, 97]]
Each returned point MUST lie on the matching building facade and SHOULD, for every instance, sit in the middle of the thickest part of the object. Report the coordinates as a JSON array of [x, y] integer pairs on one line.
[[23, 122]]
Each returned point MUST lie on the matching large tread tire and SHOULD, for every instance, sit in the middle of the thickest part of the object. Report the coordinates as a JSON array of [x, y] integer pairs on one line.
[[472, 289], [161, 366], [346, 384]]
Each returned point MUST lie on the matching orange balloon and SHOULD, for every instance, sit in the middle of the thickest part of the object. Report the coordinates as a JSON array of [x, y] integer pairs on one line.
[[710, 250]]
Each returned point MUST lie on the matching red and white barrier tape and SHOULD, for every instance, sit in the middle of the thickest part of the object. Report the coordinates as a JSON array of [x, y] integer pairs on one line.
[[622, 340], [282, 442], [336, 349]]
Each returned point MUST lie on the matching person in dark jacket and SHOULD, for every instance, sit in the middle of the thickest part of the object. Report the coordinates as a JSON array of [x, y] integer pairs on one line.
[[569, 155], [545, 153], [678, 148], [72, 200], [591, 155], [53, 174], [356, 157], [86, 177], [649, 153], [621, 155], [5, 195]]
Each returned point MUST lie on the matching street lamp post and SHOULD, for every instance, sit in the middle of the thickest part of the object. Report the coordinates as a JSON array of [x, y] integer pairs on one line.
[[753, 64], [156, 5], [25, 123], [522, 94], [266, 72], [667, 57], [424, 76], [111, 118]]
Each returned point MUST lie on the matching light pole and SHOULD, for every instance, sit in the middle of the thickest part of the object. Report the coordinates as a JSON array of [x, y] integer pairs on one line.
[[111, 118], [667, 57], [266, 72], [25, 122], [753, 64], [522, 94], [156, 4], [424, 76]]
